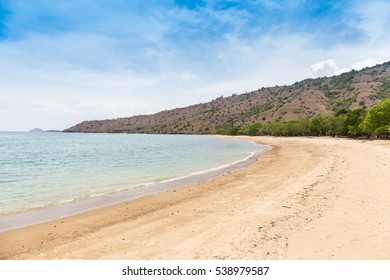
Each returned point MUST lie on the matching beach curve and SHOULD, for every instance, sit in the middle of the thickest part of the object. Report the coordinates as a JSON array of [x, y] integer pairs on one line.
[[307, 198]]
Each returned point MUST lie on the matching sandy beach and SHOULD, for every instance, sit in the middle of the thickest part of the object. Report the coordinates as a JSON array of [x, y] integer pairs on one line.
[[307, 198]]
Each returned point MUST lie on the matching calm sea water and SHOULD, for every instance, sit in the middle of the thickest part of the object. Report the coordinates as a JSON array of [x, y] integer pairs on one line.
[[42, 169]]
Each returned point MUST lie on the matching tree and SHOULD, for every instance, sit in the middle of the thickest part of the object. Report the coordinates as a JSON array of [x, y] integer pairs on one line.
[[276, 128], [250, 129], [354, 118], [349, 122], [377, 120], [232, 130], [317, 126], [331, 124], [295, 127]]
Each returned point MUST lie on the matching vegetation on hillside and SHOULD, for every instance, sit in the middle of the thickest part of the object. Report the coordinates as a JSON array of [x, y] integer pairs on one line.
[[345, 122], [278, 110]]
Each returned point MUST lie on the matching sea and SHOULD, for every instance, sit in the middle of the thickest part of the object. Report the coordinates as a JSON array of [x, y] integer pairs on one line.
[[48, 170]]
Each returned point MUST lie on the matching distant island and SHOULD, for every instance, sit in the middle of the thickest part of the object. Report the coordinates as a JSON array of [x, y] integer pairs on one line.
[[41, 130], [36, 130]]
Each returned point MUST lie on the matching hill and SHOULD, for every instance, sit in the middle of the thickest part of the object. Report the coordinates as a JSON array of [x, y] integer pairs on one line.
[[36, 130], [304, 99]]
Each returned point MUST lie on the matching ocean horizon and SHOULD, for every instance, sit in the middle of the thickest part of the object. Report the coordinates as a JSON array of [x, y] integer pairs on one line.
[[41, 170]]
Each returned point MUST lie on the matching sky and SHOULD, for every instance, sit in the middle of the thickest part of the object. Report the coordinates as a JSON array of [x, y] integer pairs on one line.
[[62, 62]]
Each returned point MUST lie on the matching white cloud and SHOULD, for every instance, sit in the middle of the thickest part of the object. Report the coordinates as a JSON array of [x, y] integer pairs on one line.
[[365, 63], [323, 68], [327, 68]]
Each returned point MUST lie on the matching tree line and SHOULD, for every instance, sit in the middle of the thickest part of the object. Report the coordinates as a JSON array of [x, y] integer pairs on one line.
[[345, 122]]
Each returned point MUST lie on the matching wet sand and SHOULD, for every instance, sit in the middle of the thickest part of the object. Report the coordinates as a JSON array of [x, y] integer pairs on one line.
[[307, 198]]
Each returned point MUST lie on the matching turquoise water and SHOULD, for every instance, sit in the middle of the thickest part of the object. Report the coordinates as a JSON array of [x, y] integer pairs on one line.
[[42, 169]]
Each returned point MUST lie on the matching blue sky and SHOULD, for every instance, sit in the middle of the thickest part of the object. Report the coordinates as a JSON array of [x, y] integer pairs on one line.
[[62, 62]]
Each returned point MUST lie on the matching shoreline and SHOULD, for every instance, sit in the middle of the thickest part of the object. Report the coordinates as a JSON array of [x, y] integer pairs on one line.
[[307, 198], [77, 206]]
